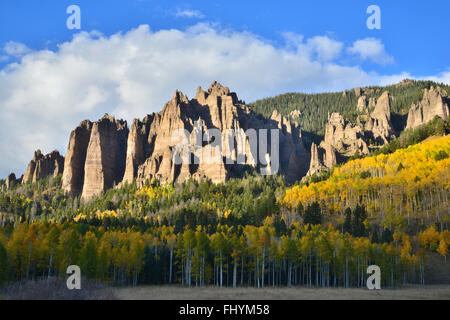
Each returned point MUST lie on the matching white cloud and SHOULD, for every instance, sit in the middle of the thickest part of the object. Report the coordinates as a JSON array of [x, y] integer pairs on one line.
[[443, 77], [320, 48], [189, 13], [371, 49], [16, 49], [47, 93], [327, 49]]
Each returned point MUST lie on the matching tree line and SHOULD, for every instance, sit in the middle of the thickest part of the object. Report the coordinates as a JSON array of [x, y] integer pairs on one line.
[[311, 255]]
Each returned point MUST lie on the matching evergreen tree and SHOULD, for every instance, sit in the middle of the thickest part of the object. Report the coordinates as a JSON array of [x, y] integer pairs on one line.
[[387, 236], [313, 214], [375, 237], [347, 227], [3, 264], [359, 216]]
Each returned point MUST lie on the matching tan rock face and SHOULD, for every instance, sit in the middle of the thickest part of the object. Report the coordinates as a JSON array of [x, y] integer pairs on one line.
[[405, 82], [295, 114], [362, 104], [43, 166], [138, 147], [11, 181], [73, 176], [96, 157], [380, 119], [343, 136], [434, 103], [316, 165], [344, 139], [151, 147], [105, 156]]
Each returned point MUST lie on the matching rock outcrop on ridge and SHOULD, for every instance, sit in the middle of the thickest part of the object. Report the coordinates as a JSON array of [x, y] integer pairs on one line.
[[378, 124], [96, 155], [344, 139], [105, 156], [42, 166], [151, 146], [434, 103], [11, 181], [223, 138], [104, 153], [73, 175]]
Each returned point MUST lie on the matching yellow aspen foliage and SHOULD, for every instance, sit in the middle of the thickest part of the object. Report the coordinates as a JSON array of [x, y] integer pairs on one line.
[[410, 183], [443, 248], [429, 238]]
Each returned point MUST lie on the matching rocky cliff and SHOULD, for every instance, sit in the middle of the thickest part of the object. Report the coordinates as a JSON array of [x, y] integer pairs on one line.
[[42, 166], [222, 138], [96, 156], [11, 181], [73, 176], [344, 139], [434, 103], [217, 110], [378, 124]]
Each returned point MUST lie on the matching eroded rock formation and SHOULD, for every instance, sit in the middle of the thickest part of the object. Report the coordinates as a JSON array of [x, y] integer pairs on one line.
[[344, 139], [222, 138], [434, 103], [379, 121], [73, 176], [96, 157], [105, 156], [11, 181], [316, 164], [151, 147], [43, 166]]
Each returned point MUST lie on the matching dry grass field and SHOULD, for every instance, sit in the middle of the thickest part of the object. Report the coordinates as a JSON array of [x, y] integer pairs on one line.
[[437, 279], [437, 287], [441, 292]]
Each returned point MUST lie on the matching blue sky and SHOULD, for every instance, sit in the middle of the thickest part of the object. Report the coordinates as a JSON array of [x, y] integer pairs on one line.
[[414, 32], [130, 56]]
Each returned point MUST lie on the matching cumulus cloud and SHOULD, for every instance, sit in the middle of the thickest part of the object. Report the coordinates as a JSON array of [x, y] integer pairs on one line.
[[189, 13], [321, 48], [47, 93], [443, 77], [16, 49], [326, 48], [371, 49]]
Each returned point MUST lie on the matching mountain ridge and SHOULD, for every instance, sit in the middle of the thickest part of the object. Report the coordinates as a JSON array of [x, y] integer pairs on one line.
[[107, 152]]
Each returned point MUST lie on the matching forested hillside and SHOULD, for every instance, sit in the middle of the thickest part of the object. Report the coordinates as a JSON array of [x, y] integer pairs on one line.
[[406, 190], [390, 210], [314, 108]]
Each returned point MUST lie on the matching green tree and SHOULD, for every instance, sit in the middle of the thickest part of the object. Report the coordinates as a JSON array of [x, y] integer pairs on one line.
[[88, 256], [359, 216], [3, 264], [313, 214], [347, 227]]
